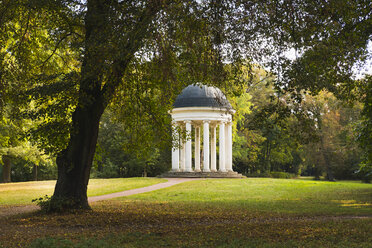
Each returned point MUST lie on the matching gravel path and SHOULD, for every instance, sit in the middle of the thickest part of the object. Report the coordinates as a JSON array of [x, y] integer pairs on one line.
[[7, 211], [171, 182]]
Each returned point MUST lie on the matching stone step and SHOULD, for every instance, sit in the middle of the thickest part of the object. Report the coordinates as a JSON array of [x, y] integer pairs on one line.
[[230, 174]]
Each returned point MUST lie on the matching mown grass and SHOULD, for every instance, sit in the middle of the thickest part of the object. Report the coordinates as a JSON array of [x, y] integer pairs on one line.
[[210, 213], [270, 195], [23, 193]]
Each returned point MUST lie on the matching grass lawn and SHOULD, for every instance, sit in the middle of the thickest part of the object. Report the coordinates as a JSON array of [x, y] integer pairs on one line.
[[23, 193], [251, 212], [286, 196]]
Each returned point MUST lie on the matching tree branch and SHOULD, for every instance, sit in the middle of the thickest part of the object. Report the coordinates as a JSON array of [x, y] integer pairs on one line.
[[55, 49], [130, 45]]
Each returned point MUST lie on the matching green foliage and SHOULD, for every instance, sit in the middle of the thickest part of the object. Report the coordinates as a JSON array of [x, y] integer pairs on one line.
[[270, 131], [24, 44], [17, 148], [313, 137], [364, 128], [280, 174], [329, 44], [106, 170], [54, 204], [43, 203], [37, 60], [23, 170], [272, 174], [118, 155], [50, 109], [365, 172], [335, 153]]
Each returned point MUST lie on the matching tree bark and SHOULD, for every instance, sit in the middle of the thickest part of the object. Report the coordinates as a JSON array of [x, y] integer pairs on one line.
[[74, 162], [6, 169]]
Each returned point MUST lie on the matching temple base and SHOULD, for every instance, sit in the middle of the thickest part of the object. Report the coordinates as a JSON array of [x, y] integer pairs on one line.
[[230, 174]]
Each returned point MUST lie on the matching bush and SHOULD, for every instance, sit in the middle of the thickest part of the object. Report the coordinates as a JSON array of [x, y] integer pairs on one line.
[[273, 174], [279, 174], [56, 204]]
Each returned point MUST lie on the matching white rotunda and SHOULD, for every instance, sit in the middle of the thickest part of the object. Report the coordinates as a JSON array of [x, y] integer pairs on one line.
[[205, 111]]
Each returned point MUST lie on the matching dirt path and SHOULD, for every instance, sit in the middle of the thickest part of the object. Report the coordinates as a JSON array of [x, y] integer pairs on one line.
[[7, 211], [171, 182]]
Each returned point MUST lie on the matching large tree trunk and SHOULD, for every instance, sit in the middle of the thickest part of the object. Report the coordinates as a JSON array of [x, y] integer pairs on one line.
[[75, 162], [6, 169]]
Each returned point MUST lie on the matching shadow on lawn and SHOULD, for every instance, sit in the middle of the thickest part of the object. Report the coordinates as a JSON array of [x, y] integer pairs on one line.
[[159, 224]]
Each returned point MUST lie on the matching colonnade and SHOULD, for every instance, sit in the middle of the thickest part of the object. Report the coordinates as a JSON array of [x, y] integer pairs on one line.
[[182, 154]]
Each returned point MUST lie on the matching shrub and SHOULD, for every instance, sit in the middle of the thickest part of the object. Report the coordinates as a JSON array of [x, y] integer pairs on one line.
[[55, 204], [273, 174], [280, 174]]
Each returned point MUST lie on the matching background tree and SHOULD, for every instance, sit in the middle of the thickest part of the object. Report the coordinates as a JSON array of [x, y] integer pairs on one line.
[[14, 145], [336, 153], [365, 129], [314, 137], [117, 157]]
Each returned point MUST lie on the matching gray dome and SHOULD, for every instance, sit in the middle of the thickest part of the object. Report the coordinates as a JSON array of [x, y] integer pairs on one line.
[[199, 95]]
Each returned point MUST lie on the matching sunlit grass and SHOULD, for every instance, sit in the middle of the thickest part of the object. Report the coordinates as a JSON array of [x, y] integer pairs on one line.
[[253, 212], [270, 195], [23, 193]]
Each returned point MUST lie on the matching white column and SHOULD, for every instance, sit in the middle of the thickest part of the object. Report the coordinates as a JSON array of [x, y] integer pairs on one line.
[[229, 147], [206, 146], [188, 156], [197, 148], [183, 146], [213, 149], [175, 149], [222, 147]]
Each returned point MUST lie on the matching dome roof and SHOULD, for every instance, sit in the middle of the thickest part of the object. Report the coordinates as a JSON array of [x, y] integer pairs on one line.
[[199, 95]]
